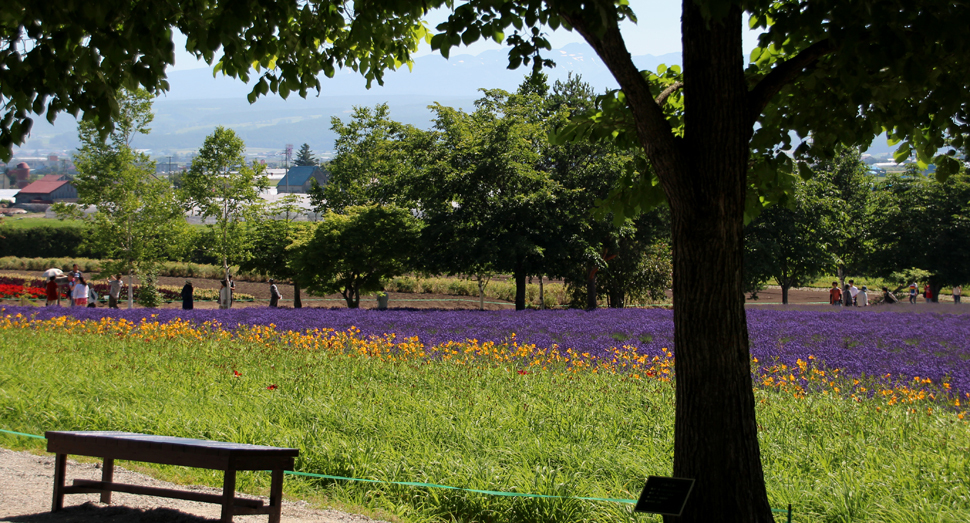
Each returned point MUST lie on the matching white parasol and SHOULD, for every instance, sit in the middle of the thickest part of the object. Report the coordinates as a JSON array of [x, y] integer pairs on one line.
[[52, 272]]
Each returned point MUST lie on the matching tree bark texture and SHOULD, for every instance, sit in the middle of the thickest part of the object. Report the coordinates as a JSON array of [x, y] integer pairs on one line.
[[716, 433], [297, 299], [519, 287], [784, 294]]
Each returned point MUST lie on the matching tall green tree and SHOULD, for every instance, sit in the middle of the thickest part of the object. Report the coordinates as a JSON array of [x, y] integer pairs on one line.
[[787, 242], [305, 157], [138, 221], [352, 253], [270, 235], [368, 157], [220, 185], [486, 191], [921, 223], [844, 190], [835, 70]]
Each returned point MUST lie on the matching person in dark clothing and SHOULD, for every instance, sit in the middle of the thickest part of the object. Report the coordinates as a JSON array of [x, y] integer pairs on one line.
[[54, 294], [187, 303], [888, 297], [847, 295], [274, 294]]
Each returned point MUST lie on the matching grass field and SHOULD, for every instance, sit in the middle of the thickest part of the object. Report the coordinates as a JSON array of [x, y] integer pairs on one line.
[[480, 414]]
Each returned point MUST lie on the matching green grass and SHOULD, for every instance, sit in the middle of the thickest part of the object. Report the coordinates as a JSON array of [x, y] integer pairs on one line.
[[481, 426], [31, 221]]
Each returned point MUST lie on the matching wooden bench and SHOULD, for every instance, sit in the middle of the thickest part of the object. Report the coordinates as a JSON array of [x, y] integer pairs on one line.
[[228, 457]]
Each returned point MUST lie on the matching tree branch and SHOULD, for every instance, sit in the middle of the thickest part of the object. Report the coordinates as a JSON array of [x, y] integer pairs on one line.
[[662, 97], [784, 74], [653, 130]]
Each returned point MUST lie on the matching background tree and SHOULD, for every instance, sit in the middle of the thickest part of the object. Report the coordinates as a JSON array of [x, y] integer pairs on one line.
[[138, 221], [305, 157], [922, 223], [220, 185], [367, 158], [352, 253], [787, 242], [486, 189], [270, 236], [843, 190]]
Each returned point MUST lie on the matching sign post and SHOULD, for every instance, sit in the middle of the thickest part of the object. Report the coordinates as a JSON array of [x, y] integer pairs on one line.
[[665, 496]]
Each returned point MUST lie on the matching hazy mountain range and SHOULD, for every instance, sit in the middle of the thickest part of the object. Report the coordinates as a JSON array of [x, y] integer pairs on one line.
[[197, 101]]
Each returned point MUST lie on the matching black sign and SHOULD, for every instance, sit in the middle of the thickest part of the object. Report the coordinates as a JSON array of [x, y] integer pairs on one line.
[[665, 496]]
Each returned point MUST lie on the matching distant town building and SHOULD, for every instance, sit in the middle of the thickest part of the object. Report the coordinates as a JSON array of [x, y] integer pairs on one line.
[[47, 191], [300, 179], [21, 173]]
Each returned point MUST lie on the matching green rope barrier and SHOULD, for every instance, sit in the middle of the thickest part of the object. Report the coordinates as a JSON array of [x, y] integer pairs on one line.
[[22, 434], [434, 485]]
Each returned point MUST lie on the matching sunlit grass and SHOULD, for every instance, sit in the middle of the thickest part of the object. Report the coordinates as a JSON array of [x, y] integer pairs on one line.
[[483, 416]]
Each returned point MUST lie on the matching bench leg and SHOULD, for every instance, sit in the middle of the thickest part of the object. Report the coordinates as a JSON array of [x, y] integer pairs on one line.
[[276, 496], [107, 474], [228, 495], [60, 464]]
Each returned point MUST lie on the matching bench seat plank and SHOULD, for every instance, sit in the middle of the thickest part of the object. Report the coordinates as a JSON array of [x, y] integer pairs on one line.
[[168, 450]]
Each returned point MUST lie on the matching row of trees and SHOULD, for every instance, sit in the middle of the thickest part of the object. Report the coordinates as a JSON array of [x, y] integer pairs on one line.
[[482, 193], [850, 223], [494, 194]]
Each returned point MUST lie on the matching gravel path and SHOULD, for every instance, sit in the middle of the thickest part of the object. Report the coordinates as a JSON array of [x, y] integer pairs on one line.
[[26, 483]]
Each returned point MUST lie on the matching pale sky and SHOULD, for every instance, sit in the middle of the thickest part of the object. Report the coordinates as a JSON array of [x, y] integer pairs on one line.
[[657, 32]]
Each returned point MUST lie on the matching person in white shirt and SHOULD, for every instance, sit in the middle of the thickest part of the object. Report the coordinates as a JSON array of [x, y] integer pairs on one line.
[[80, 293], [224, 296], [862, 298], [957, 291]]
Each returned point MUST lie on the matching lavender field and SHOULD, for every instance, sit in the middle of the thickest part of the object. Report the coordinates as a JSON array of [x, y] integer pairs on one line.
[[860, 344]]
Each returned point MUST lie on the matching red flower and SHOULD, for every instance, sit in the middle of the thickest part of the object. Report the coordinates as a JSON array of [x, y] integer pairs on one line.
[[271, 387], [523, 372], [236, 373]]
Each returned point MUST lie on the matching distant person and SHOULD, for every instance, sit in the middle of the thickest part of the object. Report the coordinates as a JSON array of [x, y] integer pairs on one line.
[[853, 291], [835, 294], [862, 299], [224, 296], [80, 293], [53, 292], [847, 295], [957, 291], [76, 272], [187, 296], [92, 297], [888, 297], [912, 293], [927, 293], [71, 283], [232, 291], [274, 294], [114, 291]]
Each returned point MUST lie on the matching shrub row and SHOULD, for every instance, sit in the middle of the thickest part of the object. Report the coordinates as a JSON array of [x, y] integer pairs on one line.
[[554, 294], [93, 266], [167, 292]]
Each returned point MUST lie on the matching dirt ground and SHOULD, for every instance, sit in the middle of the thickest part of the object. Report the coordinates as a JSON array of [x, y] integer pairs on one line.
[[28, 481], [770, 297]]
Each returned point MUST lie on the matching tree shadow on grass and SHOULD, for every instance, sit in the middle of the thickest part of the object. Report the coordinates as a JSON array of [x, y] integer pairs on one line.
[[91, 512]]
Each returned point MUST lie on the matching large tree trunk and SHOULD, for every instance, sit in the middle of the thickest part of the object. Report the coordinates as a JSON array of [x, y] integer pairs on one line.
[[297, 299], [716, 433], [519, 287], [591, 303], [784, 294]]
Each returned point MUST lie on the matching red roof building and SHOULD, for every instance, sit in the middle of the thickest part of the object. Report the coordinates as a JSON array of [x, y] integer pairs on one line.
[[45, 191]]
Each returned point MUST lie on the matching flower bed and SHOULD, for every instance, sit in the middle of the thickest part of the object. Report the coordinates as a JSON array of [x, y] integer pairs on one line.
[[880, 351]]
